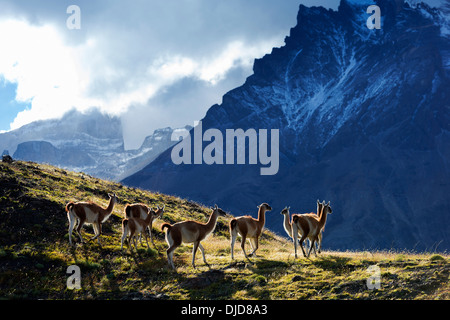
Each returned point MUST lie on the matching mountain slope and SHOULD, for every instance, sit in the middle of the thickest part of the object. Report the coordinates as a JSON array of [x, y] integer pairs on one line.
[[364, 121], [35, 253]]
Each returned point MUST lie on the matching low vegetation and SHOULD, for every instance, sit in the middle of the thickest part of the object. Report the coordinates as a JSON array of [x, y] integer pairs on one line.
[[35, 253]]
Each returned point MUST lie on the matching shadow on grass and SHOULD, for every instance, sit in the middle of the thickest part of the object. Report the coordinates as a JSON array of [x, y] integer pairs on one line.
[[213, 284], [336, 264], [27, 219]]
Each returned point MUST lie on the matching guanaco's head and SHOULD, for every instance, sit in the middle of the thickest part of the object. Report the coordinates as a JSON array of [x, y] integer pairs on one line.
[[159, 211], [113, 197], [156, 214], [219, 211], [285, 211], [327, 207], [264, 206]]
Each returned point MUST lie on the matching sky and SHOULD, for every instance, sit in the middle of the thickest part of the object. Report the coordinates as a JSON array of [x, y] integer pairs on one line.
[[154, 63]]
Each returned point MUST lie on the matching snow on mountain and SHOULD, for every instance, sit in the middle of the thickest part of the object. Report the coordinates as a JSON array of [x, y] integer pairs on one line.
[[363, 118], [441, 16]]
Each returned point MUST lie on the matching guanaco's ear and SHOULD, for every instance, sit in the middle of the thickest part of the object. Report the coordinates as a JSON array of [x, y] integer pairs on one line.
[[289, 207], [318, 201], [215, 206], [328, 203]]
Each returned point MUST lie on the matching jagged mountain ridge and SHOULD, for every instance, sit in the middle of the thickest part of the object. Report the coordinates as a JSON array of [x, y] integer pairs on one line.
[[91, 142], [364, 122]]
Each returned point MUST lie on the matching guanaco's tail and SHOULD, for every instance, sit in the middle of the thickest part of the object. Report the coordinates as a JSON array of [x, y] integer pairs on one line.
[[127, 211], [69, 206], [233, 224], [124, 224]]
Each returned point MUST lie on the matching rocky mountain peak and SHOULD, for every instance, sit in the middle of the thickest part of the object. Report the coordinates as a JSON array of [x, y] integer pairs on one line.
[[363, 116]]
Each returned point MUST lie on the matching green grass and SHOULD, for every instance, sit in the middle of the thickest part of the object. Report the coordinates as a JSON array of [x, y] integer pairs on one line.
[[35, 253]]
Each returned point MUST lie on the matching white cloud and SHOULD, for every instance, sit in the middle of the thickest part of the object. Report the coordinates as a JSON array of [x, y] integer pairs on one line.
[[236, 54], [172, 68], [208, 79], [56, 77], [46, 72], [209, 68]]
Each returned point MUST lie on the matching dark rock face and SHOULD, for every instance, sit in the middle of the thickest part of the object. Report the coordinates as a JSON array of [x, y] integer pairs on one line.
[[364, 122], [43, 151]]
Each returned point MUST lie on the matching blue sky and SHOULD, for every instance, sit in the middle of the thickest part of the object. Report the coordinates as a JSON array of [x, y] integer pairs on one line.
[[9, 107], [154, 63]]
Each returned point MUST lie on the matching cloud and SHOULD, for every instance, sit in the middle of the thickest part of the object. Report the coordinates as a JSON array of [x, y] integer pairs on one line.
[[45, 70], [186, 87], [209, 68]]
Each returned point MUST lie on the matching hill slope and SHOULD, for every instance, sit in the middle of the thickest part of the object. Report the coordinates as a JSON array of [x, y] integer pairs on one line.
[[34, 253]]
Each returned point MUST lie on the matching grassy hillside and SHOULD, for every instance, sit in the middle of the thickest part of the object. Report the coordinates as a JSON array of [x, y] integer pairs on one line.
[[35, 253]]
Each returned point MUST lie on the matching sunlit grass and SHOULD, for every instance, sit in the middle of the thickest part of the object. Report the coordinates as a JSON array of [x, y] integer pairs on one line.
[[34, 258]]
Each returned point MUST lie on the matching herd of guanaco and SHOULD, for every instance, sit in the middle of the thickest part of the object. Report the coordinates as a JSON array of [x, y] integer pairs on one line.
[[139, 217]]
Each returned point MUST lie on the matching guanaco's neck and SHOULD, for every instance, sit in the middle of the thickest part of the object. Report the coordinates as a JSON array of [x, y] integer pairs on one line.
[[108, 210], [319, 211], [261, 216], [149, 217], [287, 225], [323, 217], [104, 214], [110, 207], [211, 224]]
